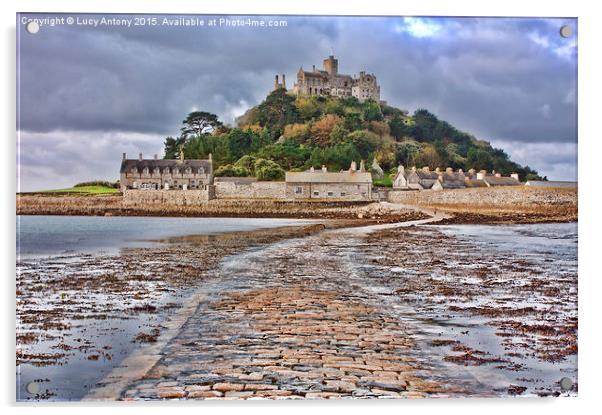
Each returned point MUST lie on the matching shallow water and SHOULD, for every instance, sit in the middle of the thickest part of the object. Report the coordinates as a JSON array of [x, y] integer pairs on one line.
[[66, 235]]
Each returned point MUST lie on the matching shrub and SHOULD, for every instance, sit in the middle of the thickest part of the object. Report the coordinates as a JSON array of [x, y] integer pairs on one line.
[[267, 170], [230, 170]]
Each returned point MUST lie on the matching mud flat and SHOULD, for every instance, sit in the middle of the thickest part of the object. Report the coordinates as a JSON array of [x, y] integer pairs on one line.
[[512, 204], [113, 206]]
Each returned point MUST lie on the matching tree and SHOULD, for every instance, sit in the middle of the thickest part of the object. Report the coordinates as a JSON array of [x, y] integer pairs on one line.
[[276, 111], [198, 123], [398, 128], [372, 111], [321, 129], [267, 170], [172, 147], [479, 160]]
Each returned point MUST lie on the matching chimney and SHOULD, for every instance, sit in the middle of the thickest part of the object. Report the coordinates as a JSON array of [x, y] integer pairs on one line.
[[472, 172], [353, 166], [426, 169], [498, 175], [362, 166], [283, 81], [481, 175], [156, 157], [515, 176], [210, 157], [324, 169], [413, 168], [124, 156], [140, 156], [313, 68], [449, 170], [437, 170], [276, 82], [400, 169], [311, 169]]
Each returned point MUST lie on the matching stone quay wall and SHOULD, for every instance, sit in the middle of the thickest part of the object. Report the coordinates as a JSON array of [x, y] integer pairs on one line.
[[171, 197], [252, 190]]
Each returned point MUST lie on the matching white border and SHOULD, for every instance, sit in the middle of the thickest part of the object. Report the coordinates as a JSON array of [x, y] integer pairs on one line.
[[590, 163]]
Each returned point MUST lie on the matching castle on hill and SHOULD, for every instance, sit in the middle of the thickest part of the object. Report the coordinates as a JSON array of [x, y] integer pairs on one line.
[[329, 82]]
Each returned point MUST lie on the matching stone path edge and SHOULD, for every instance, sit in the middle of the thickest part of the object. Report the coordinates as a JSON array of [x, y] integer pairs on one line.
[[139, 362]]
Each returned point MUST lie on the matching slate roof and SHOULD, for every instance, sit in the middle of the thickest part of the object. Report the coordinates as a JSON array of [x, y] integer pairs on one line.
[[319, 176], [426, 175], [128, 164], [475, 183], [500, 181]]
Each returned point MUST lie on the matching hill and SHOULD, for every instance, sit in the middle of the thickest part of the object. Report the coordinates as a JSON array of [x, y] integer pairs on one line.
[[286, 132]]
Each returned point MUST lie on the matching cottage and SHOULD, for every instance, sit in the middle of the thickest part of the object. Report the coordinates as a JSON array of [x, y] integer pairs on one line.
[[494, 179], [421, 179], [450, 179], [352, 184], [424, 179], [156, 174]]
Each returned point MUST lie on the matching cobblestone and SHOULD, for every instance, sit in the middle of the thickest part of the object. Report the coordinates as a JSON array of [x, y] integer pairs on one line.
[[284, 327]]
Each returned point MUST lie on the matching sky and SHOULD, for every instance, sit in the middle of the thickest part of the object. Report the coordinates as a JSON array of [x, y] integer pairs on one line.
[[90, 90]]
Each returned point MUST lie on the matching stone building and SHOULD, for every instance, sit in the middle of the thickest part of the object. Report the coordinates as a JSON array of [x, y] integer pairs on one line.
[[329, 82], [159, 174], [352, 184], [426, 179]]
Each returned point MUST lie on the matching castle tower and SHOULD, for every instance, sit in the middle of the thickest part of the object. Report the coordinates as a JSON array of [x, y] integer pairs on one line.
[[283, 81], [331, 65], [276, 83]]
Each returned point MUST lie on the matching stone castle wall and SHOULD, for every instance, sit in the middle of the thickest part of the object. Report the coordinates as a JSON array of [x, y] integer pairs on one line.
[[172, 197], [253, 190]]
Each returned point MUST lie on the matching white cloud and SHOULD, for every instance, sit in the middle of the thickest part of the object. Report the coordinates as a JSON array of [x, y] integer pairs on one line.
[[540, 40], [545, 110], [60, 159], [420, 27]]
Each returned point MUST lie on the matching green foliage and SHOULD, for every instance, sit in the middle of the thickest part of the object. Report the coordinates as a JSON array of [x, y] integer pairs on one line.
[[371, 111], [337, 157], [365, 142], [288, 154], [386, 181], [100, 183], [198, 123], [285, 132], [92, 190], [276, 111], [267, 170], [229, 170]]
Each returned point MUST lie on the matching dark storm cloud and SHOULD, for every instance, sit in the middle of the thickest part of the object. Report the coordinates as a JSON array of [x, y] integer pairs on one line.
[[505, 80]]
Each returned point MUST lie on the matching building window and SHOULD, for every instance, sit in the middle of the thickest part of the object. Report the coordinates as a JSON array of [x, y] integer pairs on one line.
[[298, 190], [316, 193], [343, 194], [330, 194]]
